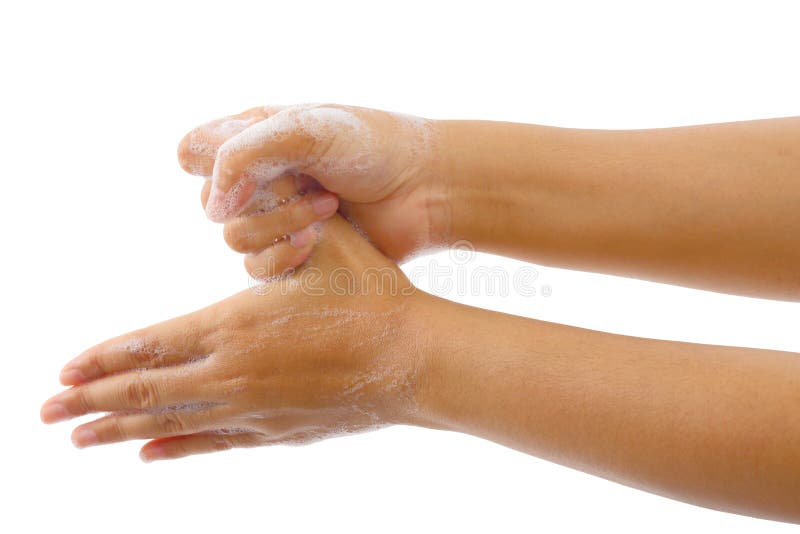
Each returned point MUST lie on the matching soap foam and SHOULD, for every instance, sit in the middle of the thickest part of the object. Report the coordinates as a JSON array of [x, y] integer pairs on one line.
[[334, 143], [319, 123], [206, 139]]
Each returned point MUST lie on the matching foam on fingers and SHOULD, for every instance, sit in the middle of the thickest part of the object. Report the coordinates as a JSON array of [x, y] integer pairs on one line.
[[198, 149], [287, 143], [222, 205]]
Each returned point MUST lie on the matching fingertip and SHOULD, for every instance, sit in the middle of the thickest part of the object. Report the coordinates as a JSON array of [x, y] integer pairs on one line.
[[84, 436], [217, 204], [222, 205], [151, 452], [72, 376], [227, 171], [324, 204], [53, 412], [195, 154], [204, 193], [183, 152]]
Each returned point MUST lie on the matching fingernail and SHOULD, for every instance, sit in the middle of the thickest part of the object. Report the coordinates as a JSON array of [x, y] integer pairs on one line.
[[324, 204], [301, 238], [71, 377], [53, 413], [84, 437]]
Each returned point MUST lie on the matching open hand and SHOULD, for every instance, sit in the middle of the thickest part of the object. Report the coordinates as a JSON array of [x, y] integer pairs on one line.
[[326, 351]]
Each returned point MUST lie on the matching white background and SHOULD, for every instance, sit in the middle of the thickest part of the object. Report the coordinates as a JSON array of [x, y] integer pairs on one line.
[[103, 233]]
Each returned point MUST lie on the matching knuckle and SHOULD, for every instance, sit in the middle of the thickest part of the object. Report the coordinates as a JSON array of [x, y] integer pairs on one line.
[[227, 165], [144, 357], [299, 214], [222, 443], [138, 392], [298, 143], [319, 150], [170, 423], [81, 401], [95, 363], [115, 430], [249, 440], [232, 383]]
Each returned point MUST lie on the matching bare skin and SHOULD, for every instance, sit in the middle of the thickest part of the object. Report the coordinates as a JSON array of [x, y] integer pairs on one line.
[[389, 196], [712, 207], [324, 352], [303, 360], [711, 425]]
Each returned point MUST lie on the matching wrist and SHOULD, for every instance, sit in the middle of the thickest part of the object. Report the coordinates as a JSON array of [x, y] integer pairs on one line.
[[480, 188], [434, 336]]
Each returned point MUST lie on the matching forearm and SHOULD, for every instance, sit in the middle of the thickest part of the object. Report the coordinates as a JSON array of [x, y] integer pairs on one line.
[[715, 426], [712, 206]]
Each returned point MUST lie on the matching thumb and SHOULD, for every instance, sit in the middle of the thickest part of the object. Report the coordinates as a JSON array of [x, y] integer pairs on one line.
[[342, 251], [309, 139]]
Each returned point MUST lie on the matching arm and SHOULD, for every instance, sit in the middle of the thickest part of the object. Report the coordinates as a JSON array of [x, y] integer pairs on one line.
[[714, 206], [710, 425], [317, 355]]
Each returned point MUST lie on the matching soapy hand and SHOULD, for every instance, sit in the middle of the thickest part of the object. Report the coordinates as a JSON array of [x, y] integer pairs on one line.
[[275, 171], [327, 351]]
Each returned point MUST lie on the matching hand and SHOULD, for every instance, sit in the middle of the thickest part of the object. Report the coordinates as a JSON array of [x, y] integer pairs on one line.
[[381, 166], [324, 352]]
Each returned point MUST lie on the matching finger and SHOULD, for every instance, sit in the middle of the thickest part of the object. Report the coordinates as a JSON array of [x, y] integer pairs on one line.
[[204, 193], [263, 152], [115, 428], [177, 341], [255, 233], [134, 390], [269, 195], [257, 197], [198, 443], [336, 240], [198, 148], [283, 256]]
